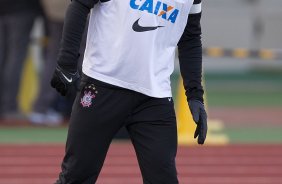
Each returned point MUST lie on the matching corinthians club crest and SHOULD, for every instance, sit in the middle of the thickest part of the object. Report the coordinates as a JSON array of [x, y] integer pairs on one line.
[[86, 100]]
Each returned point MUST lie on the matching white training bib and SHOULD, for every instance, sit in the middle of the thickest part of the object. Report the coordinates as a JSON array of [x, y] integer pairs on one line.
[[131, 43]]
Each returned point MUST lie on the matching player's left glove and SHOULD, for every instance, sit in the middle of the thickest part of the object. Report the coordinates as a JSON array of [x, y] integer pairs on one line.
[[63, 80], [199, 115]]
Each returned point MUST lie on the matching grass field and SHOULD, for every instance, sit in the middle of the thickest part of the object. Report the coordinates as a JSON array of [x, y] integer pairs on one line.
[[245, 90]]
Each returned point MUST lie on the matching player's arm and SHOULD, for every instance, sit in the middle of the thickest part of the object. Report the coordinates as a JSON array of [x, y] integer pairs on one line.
[[74, 25], [190, 60], [66, 73], [190, 55]]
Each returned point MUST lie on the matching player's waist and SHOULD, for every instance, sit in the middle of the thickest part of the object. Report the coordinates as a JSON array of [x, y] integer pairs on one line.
[[85, 78], [153, 88]]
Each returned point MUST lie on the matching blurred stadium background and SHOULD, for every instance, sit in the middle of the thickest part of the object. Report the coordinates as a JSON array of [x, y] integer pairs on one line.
[[243, 81]]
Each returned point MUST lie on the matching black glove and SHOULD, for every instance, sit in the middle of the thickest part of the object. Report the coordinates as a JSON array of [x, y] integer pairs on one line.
[[63, 80], [199, 115]]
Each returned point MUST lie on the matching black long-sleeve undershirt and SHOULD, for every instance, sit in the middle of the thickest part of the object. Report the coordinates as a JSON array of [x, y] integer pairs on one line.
[[190, 58], [74, 25]]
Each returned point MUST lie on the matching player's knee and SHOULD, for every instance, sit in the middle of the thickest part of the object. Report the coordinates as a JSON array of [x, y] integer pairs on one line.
[[168, 177], [162, 169], [78, 171], [70, 177]]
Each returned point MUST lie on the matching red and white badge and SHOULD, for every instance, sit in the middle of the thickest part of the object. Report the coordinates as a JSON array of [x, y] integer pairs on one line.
[[86, 100]]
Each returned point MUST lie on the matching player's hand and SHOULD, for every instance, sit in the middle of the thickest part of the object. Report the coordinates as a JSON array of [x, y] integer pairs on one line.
[[63, 80], [199, 115]]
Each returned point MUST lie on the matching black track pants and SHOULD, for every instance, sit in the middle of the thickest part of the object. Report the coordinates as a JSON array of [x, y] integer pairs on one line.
[[99, 111]]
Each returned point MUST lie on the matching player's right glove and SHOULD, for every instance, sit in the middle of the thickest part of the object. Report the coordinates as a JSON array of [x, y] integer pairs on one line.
[[199, 115], [63, 80]]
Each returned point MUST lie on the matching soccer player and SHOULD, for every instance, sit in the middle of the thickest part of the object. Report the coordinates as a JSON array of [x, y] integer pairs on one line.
[[125, 81]]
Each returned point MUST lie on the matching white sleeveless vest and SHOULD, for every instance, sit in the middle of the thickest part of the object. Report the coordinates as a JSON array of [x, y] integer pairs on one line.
[[131, 43]]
